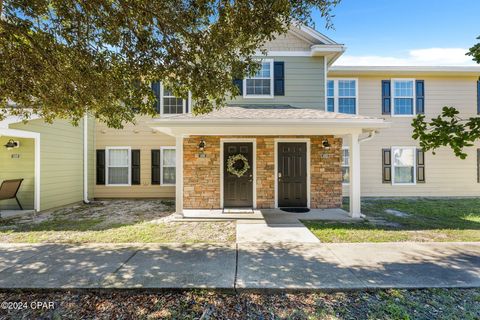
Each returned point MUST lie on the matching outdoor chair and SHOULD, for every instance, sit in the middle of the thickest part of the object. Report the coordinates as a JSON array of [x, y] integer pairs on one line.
[[9, 189]]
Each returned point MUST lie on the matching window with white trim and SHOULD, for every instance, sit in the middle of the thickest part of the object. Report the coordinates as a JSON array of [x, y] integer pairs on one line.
[[342, 96], [118, 166], [167, 169], [403, 95], [346, 165], [403, 165], [169, 103], [261, 84]]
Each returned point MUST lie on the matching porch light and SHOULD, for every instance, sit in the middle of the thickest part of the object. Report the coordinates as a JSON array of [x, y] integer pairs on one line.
[[12, 144], [326, 144], [202, 145]]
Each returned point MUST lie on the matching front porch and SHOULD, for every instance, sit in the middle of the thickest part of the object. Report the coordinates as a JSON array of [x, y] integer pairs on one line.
[[269, 216], [284, 157]]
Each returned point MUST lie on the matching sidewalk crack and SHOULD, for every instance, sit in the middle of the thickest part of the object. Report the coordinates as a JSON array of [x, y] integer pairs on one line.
[[125, 262], [236, 269]]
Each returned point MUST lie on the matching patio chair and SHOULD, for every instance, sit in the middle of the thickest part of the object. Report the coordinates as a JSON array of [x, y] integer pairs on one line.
[[9, 189]]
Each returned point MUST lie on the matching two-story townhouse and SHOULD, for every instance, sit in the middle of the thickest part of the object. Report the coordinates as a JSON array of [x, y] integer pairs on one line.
[[392, 163], [301, 134]]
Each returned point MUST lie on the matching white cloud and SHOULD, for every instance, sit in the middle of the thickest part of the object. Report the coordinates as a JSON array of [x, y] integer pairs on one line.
[[415, 57]]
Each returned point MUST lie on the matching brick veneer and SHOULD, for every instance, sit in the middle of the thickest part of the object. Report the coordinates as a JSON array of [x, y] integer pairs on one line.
[[202, 175]]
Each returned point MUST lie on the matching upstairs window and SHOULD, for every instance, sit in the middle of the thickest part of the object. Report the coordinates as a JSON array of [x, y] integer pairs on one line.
[[261, 84], [403, 97], [331, 96], [171, 104], [342, 96]]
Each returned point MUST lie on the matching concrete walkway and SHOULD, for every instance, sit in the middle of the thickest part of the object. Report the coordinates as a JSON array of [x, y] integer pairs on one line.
[[274, 228], [270, 225], [241, 266]]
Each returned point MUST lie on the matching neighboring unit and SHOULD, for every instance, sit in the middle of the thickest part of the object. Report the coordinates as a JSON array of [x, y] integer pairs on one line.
[[54, 160]]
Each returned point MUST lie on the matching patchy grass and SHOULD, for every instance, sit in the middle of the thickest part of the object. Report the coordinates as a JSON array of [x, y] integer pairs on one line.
[[424, 220], [145, 221], [383, 304]]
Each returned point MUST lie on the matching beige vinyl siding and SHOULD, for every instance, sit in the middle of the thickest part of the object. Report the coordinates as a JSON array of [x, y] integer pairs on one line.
[[445, 174], [304, 84], [288, 42], [61, 161], [144, 138], [21, 167]]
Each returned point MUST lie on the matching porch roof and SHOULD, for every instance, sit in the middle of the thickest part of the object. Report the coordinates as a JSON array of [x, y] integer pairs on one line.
[[267, 119]]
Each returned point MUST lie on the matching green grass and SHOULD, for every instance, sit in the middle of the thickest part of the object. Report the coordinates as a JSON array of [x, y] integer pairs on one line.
[[444, 304], [427, 220]]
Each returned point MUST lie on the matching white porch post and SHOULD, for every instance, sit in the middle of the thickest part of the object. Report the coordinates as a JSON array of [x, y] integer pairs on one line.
[[179, 175], [355, 209]]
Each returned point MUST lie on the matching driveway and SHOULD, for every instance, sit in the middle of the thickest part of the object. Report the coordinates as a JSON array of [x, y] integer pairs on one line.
[[241, 266]]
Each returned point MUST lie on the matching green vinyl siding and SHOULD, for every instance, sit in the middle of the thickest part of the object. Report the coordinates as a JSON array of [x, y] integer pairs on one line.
[[20, 166], [304, 84], [61, 161]]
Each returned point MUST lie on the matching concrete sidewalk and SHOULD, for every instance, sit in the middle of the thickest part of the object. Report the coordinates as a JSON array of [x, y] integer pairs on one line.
[[241, 266]]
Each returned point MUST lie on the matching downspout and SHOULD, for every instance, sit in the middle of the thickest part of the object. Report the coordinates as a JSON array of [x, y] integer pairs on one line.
[[370, 136], [85, 159]]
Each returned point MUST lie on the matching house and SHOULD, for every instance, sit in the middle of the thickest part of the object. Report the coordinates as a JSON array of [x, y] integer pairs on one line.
[[302, 133]]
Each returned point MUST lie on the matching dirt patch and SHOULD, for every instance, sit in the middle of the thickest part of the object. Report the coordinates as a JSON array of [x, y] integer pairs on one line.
[[113, 221]]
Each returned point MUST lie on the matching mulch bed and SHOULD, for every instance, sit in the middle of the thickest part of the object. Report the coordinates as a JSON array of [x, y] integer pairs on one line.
[[204, 304]]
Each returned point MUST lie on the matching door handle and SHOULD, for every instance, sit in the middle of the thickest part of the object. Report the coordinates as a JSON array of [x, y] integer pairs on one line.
[[279, 176]]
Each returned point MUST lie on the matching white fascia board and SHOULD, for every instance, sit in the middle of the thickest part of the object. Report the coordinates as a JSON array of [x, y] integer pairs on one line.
[[448, 70], [315, 34], [268, 127], [5, 123]]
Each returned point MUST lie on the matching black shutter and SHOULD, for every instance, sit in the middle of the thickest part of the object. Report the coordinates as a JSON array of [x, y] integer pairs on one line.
[[386, 165], [420, 93], [136, 167], [386, 97], [478, 165], [156, 92], [478, 97], [100, 167], [279, 78], [239, 84], [420, 166], [156, 166]]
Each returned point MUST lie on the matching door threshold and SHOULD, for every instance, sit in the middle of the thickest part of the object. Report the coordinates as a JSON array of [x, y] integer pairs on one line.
[[238, 210]]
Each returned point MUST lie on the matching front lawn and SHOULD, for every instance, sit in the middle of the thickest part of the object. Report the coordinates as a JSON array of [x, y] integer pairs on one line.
[[391, 220], [115, 221], [451, 304]]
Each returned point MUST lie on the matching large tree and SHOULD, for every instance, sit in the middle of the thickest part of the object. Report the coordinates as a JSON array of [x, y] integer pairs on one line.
[[449, 128], [63, 58]]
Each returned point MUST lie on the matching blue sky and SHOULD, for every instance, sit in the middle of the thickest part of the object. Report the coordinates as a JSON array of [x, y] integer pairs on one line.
[[405, 32]]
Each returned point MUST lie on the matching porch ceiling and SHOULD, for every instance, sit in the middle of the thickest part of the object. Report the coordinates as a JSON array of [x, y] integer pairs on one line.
[[266, 120]]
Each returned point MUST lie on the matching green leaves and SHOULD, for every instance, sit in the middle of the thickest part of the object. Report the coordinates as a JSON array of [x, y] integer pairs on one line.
[[447, 129], [63, 58], [474, 52]]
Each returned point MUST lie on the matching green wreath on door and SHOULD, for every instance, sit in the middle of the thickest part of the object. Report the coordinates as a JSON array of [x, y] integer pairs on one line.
[[236, 170]]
